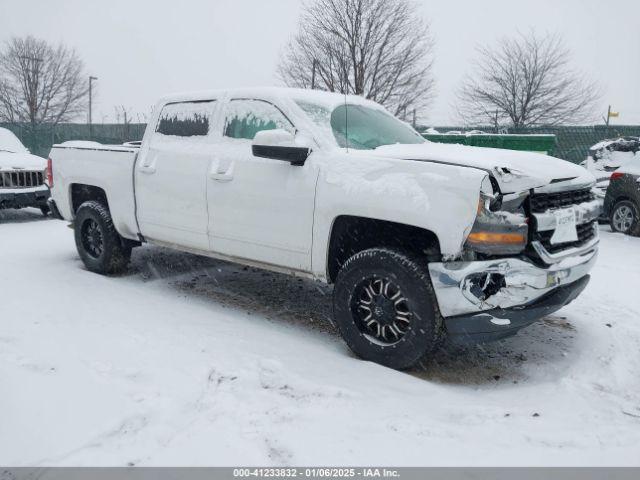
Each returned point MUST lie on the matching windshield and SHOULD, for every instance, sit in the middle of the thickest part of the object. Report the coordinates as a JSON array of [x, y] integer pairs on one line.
[[9, 142], [360, 127]]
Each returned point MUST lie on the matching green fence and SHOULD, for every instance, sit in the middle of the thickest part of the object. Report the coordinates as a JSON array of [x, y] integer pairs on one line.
[[39, 139], [571, 142], [529, 143]]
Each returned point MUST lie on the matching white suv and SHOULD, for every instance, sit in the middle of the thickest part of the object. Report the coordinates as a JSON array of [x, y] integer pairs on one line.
[[22, 175]]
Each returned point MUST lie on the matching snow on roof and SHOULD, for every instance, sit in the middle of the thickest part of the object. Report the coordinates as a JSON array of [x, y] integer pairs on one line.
[[602, 144], [327, 99]]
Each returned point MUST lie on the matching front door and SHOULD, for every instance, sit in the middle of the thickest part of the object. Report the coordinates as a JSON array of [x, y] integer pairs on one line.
[[259, 209]]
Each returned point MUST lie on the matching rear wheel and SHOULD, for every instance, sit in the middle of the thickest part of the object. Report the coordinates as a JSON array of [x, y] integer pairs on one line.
[[99, 245], [386, 309], [625, 218]]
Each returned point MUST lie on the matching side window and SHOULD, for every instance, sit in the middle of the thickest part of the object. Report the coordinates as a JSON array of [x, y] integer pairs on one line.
[[185, 119], [245, 118]]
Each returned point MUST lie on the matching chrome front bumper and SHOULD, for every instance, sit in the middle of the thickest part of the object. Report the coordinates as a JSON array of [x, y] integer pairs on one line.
[[455, 282]]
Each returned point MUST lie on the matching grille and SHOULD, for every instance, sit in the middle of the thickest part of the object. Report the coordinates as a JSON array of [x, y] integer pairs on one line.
[[21, 179], [541, 202], [586, 232]]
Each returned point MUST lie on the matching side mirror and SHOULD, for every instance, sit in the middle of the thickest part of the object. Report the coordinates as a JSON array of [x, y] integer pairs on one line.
[[280, 145]]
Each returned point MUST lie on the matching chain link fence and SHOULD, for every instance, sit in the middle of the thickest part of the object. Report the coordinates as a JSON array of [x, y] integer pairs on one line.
[[39, 139], [571, 142]]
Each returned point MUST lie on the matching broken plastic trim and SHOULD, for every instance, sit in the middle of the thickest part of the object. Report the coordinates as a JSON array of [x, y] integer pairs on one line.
[[483, 285]]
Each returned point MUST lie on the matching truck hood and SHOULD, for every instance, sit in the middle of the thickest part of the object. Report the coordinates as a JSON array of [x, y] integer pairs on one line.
[[514, 171], [21, 161]]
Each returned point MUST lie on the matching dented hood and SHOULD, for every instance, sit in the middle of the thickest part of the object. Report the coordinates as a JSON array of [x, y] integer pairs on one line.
[[515, 171]]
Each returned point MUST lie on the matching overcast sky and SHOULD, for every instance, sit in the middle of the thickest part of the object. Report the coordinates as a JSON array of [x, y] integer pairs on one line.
[[140, 50]]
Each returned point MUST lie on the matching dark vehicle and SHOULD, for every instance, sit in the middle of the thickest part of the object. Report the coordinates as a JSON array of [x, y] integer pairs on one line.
[[603, 150], [622, 201]]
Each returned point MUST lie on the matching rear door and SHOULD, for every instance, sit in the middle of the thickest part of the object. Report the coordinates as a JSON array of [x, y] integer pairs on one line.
[[171, 175], [259, 208]]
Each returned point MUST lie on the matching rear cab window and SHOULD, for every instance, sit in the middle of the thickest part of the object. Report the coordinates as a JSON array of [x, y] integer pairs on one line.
[[190, 119]]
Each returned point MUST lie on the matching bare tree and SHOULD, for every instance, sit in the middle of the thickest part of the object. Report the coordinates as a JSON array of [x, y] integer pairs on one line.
[[380, 49], [40, 83], [526, 81]]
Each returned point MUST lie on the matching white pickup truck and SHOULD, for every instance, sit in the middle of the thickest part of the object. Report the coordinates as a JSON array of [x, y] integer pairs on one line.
[[422, 241]]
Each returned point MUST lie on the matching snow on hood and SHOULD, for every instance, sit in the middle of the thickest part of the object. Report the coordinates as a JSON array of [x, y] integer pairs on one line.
[[527, 170], [13, 155], [23, 161]]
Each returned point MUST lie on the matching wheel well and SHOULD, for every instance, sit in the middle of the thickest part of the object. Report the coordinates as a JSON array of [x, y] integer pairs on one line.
[[610, 206], [351, 235], [81, 193], [622, 198]]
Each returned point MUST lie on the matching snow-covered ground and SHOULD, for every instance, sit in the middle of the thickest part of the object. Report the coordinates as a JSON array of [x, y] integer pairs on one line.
[[191, 361]]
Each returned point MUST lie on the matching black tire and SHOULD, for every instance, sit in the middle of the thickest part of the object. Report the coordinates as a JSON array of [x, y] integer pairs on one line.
[[405, 274], [45, 210], [99, 245], [625, 218]]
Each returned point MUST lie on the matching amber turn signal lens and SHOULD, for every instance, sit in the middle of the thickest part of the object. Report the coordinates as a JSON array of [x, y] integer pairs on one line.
[[497, 238]]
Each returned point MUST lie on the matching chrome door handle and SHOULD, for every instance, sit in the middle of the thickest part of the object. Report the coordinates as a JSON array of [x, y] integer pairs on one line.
[[217, 173], [221, 177], [148, 166]]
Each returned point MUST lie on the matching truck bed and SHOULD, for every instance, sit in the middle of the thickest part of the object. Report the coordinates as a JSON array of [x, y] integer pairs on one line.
[[108, 167]]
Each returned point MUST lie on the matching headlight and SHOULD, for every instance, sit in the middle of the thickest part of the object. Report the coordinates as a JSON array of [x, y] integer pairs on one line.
[[496, 232]]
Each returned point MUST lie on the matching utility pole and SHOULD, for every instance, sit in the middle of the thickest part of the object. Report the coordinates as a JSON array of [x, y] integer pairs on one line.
[[126, 125], [91, 79], [313, 74]]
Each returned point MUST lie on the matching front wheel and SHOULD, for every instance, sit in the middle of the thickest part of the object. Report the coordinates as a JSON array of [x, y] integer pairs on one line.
[[99, 245], [386, 309], [625, 218]]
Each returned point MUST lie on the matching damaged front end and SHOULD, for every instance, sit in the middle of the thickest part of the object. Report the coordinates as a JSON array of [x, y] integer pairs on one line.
[[504, 278]]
